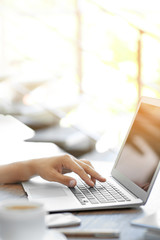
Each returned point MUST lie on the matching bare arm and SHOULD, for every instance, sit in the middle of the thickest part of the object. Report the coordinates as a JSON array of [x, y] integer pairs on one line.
[[16, 172], [51, 169]]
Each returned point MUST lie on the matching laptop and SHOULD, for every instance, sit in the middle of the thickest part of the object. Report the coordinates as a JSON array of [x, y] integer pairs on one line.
[[132, 176]]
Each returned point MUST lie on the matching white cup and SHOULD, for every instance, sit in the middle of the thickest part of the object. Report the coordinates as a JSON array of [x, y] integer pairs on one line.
[[22, 220]]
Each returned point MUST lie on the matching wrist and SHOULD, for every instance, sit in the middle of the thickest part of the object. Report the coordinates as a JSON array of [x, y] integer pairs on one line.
[[30, 167]]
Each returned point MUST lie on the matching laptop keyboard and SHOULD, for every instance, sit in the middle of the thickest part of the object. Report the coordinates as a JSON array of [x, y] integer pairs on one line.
[[100, 193]]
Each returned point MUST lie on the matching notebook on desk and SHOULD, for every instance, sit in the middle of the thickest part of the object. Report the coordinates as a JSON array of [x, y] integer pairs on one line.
[[132, 176]]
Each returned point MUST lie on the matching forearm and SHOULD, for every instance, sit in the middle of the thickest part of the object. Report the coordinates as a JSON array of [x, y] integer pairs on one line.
[[17, 172]]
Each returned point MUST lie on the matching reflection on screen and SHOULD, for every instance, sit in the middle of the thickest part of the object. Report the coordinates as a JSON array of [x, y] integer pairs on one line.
[[141, 153]]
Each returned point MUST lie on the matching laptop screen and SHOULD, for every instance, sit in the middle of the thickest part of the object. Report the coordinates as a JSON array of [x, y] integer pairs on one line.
[[140, 155]]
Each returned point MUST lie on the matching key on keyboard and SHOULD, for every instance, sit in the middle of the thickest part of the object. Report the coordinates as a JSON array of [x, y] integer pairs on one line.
[[100, 193]]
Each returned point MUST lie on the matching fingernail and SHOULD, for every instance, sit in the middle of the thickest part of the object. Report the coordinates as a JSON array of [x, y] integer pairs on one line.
[[91, 182], [102, 177], [72, 183]]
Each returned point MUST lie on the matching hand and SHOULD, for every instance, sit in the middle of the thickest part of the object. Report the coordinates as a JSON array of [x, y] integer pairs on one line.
[[53, 168]]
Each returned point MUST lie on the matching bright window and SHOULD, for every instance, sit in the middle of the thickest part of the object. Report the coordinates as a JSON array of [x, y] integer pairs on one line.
[[78, 57]]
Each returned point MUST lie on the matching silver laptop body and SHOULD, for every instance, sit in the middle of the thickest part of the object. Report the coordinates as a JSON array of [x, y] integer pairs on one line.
[[130, 181]]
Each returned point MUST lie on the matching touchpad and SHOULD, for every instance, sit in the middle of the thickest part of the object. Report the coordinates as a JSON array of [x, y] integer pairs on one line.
[[44, 192]]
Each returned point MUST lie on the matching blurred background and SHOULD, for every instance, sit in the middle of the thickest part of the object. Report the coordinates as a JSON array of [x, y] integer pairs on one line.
[[74, 70]]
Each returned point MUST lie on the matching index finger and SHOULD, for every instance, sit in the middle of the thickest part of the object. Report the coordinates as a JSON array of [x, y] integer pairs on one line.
[[71, 163]]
